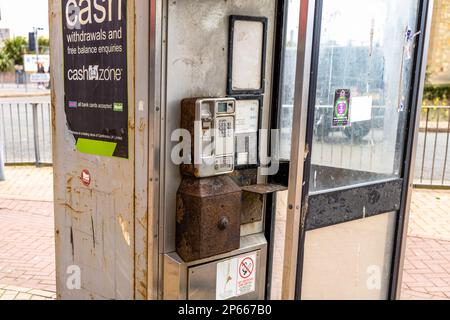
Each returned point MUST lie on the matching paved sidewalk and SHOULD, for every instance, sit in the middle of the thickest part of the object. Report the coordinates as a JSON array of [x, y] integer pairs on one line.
[[427, 264], [27, 263], [27, 240]]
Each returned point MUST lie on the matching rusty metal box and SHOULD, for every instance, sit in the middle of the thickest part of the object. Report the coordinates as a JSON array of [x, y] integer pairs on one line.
[[208, 217]]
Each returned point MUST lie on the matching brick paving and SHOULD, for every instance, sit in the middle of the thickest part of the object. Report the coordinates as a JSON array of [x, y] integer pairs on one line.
[[427, 263], [27, 263], [27, 267]]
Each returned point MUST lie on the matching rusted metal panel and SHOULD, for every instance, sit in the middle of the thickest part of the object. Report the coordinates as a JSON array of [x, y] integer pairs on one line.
[[208, 217], [252, 207], [265, 189], [187, 123]]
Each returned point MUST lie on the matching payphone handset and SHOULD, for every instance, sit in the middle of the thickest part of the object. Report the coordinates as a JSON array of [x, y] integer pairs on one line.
[[211, 123]]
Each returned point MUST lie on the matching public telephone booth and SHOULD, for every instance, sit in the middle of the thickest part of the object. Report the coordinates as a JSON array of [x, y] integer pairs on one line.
[[235, 149]]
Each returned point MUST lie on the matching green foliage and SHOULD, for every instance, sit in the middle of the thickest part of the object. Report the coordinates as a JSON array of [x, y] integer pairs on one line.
[[14, 49], [5, 62], [437, 95], [44, 44]]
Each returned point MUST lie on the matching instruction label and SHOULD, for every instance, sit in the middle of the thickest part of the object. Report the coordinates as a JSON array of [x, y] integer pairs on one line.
[[96, 75], [236, 277], [247, 127]]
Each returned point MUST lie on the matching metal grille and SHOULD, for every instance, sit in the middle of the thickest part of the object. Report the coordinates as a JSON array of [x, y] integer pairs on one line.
[[25, 133]]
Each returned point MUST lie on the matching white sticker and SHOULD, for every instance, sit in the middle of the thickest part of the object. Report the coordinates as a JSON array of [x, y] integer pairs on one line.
[[361, 109], [226, 282], [247, 116], [242, 158], [236, 277], [246, 282]]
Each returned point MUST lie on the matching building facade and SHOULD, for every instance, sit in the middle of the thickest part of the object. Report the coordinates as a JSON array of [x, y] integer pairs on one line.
[[439, 56]]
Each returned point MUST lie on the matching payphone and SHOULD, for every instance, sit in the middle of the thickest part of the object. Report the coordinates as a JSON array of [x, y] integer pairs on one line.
[[221, 249], [211, 123]]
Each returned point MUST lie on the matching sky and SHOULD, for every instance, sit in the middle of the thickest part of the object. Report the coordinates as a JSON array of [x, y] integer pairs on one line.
[[20, 16]]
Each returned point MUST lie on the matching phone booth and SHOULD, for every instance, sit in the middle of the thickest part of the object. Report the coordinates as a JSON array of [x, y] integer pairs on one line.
[[234, 150]]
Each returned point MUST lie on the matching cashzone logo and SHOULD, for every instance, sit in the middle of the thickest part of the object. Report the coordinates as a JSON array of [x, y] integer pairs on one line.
[[95, 73], [84, 12]]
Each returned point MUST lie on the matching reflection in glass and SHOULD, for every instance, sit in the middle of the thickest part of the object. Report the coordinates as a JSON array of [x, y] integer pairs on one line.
[[365, 47], [288, 78]]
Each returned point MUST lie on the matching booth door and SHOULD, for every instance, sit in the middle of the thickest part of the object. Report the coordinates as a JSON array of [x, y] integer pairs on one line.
[[361, 103]]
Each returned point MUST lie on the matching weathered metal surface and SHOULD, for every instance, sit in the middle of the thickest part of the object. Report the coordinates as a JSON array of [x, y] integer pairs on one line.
[[346, 205], [176, 270], [196, 66], [247, 177], [264, 189], [187, 123], [253, 201], [95, 225], [252, 207], [208, 217], [145, 253]]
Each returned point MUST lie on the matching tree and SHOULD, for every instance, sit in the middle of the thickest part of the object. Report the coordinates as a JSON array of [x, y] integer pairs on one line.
[[15, 48], [5, 62], [44, 44]]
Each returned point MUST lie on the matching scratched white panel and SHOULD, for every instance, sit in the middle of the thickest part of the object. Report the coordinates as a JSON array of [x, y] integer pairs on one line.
[[350, 261], [247, 55]]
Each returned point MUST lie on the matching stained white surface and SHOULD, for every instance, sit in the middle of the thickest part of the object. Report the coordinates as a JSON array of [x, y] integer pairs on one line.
[[361, 109], [247, 55]]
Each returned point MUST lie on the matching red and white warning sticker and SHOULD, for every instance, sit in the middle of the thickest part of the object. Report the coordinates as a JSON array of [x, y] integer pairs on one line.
[[236, 277], [246, 282], [86, 178]]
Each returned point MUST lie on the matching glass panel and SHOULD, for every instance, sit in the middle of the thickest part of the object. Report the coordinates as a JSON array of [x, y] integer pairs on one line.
[[365, 64], [288, 78], [350, 261]]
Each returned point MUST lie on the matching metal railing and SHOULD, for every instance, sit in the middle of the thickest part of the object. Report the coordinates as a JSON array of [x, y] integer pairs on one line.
[[432, 162], [25, 133]]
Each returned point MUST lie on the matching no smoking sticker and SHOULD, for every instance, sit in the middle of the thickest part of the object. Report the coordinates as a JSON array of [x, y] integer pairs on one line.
[[247, 275], [236, 277]]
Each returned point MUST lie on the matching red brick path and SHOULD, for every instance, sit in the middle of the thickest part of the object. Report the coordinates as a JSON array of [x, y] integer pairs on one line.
[[27, 243], [27, 263], [427, 264]]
